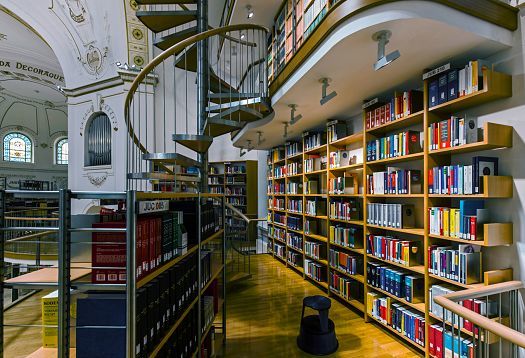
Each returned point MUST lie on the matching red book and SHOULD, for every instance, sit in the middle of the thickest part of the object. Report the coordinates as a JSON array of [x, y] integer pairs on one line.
[[431, 349], [382, 114], [376, 117], [387, 112], [438, 341], [467, 324], [159, 241], [473, 228], [110, 257], [143, 224], [152, 239]]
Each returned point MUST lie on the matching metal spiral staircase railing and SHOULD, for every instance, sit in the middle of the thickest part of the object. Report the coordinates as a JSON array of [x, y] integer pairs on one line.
[[202, 85]]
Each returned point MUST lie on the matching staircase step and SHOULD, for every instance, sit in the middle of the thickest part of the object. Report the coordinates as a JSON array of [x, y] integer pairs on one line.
[[196, 142], [226, 97], [165, 42], [218, 126], [163, 176], [239, 113], [258, 104], [164, 2], [188, 61], [171, 158], [158, 21]]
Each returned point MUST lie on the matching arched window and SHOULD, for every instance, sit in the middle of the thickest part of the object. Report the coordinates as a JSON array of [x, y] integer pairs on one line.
[[18, 148], [98, 140], [62, 151]]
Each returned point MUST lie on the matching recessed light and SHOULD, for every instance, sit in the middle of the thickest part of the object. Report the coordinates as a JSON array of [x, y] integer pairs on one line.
[[249, 12], [243, 36]]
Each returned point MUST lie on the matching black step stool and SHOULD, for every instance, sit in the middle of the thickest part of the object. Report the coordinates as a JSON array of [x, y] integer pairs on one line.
[[317, 332]]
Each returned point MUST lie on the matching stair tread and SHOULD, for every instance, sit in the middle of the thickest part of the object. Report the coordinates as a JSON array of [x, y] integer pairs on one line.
[[158, 21], [167, 41], [171, 158], [219, 126], [196, 142], [158, 2]]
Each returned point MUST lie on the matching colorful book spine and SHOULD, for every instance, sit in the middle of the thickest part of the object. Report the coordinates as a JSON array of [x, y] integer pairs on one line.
[[393, 146]]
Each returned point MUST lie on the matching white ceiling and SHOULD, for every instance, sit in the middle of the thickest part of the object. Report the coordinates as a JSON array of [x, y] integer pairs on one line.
[[19, 43], [264, 12], [423, 43]]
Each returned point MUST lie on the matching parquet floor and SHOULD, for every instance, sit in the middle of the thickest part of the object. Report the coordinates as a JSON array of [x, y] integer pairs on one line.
[[263, 316]]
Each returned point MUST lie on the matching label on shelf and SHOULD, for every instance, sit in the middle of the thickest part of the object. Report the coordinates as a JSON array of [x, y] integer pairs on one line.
[[370, 103], [436, 71], [154, 206]]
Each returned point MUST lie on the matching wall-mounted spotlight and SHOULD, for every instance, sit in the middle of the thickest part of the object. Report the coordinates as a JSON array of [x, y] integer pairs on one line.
[[285, 133], [382, 38], [243, 36], [249, 12], [259, 139], [324, 96], [249, 145], [242, 152], [293, 118]]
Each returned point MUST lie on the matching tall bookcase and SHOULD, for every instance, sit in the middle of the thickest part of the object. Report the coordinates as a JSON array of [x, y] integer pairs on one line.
[[292, 252]]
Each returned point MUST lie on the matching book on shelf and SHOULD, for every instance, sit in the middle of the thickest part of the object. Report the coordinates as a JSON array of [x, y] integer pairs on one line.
[[403, 252], [345, 286], [462, 179], [49, 311], [401, 105], [453, 132], [345, 209], [278, 188], [294, 240], [461, 223], [279, 171], [399, 317], [294, 187], [293, 148], [314, 162], [294, 258], [346, 184], [344, 236], [397, 282], [276, 203], [295, 223], [447, 344], [315, 206], [313, 249], [311, 227], [395, 181], [295, 205], [294, 168], [311, 187], [452, 83], [341, 158], [352, 264], [279, 219], [460, 263], [277, 232], [393, 146], [313, 140], [277, 154], [315, 270], [279, 250], [391, 215], [336, 130]]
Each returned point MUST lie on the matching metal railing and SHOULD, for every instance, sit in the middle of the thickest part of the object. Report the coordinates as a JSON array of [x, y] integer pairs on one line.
[[482, 322]]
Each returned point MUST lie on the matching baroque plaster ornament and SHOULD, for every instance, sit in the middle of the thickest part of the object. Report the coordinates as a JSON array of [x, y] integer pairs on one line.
[[77, 11], [3, 37], [97, 180]]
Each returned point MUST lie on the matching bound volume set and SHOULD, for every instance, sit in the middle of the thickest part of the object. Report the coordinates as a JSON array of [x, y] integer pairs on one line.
[[403, 104], [402, 252], [393, 146], [396, 282], [395, 181], [453, 132], [461, 264], [461, 223], [391, 215]]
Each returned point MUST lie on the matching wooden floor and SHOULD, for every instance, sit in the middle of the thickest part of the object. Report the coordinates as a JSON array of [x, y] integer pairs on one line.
[[263, 317]]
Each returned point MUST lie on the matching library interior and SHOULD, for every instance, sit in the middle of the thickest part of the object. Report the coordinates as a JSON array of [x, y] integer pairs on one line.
[[262, 178]]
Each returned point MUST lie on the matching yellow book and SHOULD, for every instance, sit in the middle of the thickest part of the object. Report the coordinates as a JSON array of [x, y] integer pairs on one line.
[[370, 298], [49, 305], [452, 222], [475, 85], [388, 316], [446, 218], [332, 233]]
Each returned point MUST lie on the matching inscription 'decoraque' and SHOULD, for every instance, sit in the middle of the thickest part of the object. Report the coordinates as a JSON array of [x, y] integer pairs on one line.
[[30, 68]]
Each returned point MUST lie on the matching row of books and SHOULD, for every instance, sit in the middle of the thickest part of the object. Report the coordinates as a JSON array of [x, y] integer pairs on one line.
[[402, 104], [279, 219], [294, 258], [313, 249], [352, 264], [459, 223], [452, 132], [487, 308], [345, 236], [455, 83], [393, 146], [391, 215], [215, 180], [345, 210], [401, 318], [314, 270], [294, 168], [295, 205], [295, 223], [295, 240], [276, 203], [235, 169], [336, 130], [315, 207], [345, 286], [395, 181], [461, 263], [276, 188], [461, 179], [341, 158], [279, 172], [277, 154], [235, 191], [447, 344], [277, 232], [397, 282], [236, 201], [279, 250], [293, 148], [293, 188], [388, 248], [312, 140], [314, 162], [216, 190], [346, 184], [315, 187], [236, 180]]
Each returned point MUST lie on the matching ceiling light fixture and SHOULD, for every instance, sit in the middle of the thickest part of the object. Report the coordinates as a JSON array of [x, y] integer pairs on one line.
[[382, 38], [242, 152], [293, 118], [249, 12], [243, 36], [324, 96], [260, 140]]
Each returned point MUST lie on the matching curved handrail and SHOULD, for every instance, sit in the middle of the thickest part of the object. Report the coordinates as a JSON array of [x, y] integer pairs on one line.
[[448, 302], [163, 56], [241, 214]]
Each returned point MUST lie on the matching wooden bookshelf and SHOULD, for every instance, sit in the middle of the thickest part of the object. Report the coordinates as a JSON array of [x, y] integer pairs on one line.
[[494, 137]]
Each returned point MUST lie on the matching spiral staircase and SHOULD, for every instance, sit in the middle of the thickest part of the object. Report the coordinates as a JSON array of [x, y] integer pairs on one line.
[[205, 83]]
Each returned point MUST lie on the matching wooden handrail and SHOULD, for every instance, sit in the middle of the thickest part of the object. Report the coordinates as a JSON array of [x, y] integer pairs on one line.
[[30, 236], [242, 215], [178, 47], [498, 329], [24, 218]]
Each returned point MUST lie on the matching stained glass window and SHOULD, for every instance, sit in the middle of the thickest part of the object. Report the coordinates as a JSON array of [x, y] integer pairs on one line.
[[62, 151], [18, 148]]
